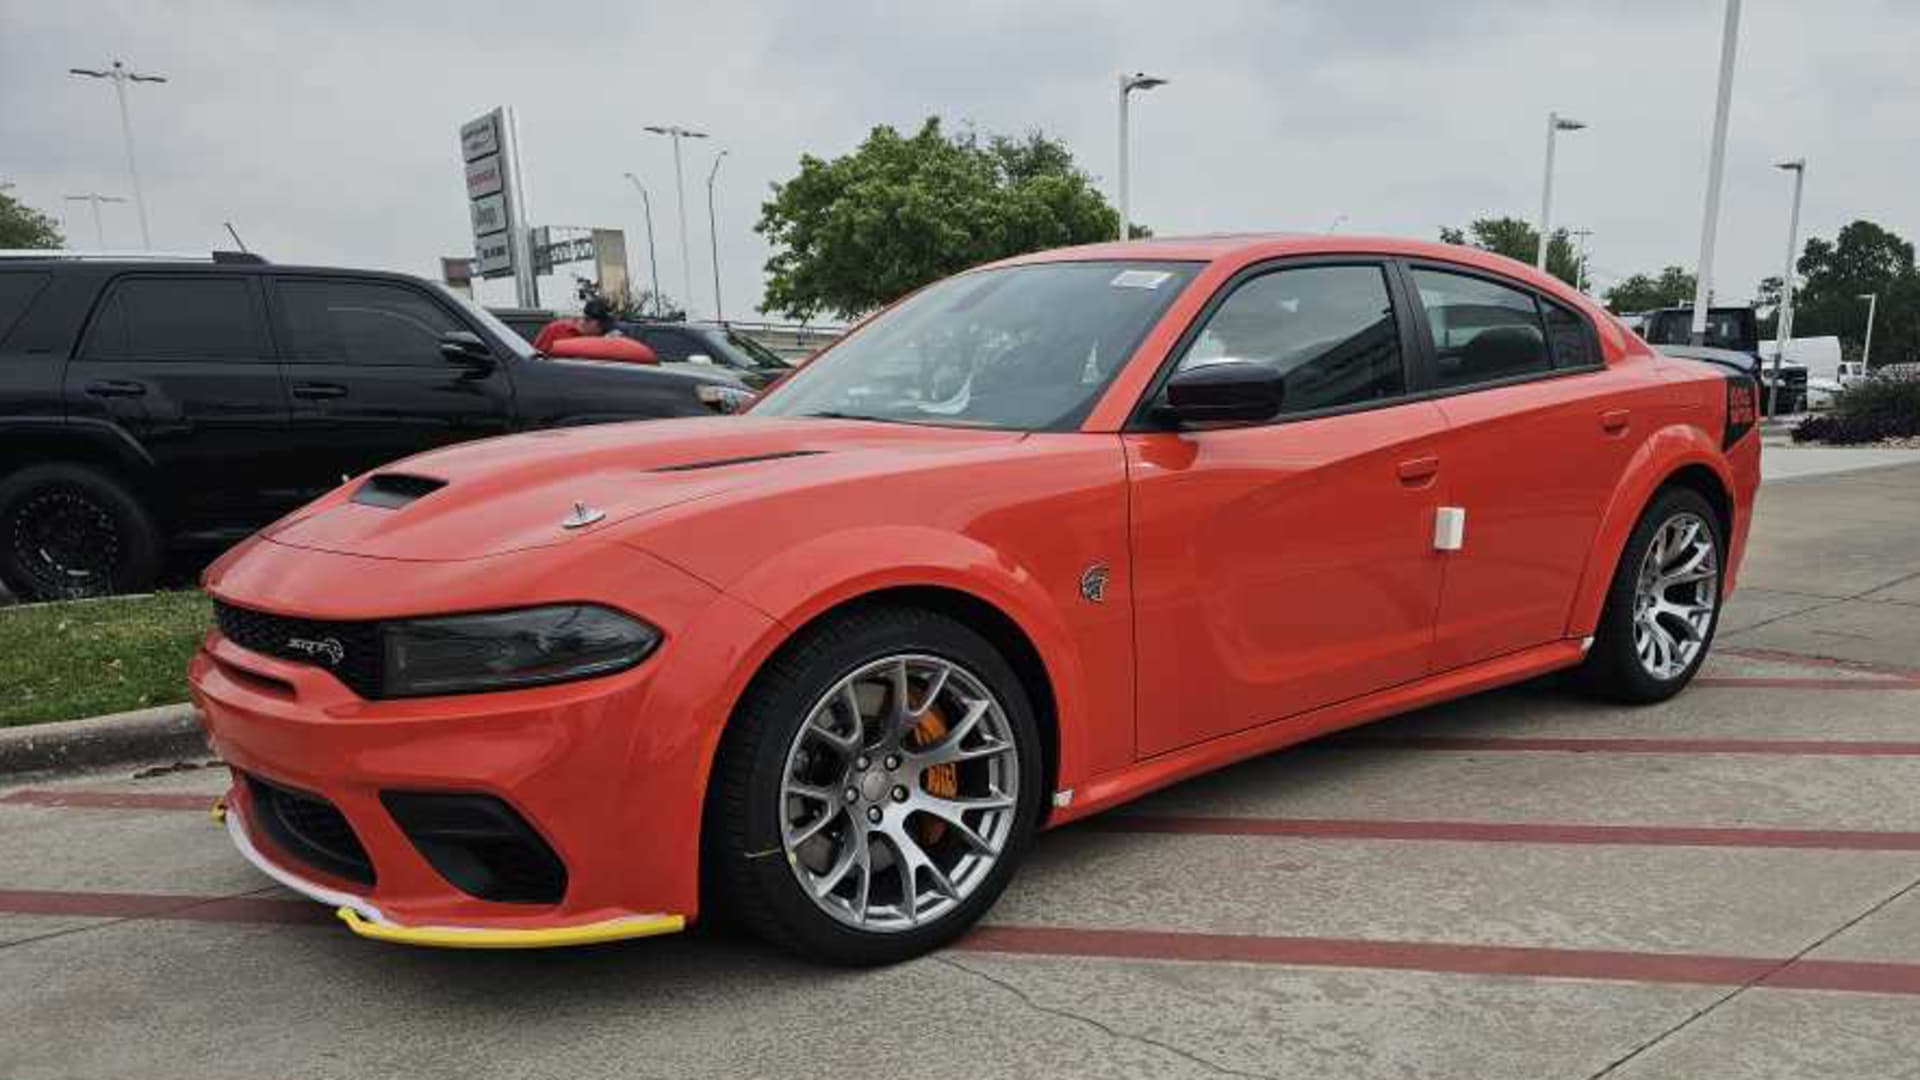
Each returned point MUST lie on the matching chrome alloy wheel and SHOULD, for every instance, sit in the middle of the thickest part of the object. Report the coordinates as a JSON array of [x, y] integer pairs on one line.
[[899, 793], [1675, 597]]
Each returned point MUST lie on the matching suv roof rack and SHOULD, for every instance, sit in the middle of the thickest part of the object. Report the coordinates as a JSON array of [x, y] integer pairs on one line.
[[243, 257]]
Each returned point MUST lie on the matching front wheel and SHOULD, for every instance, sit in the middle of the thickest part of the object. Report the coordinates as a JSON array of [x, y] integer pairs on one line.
[[70, 532], [878, 785], [1664, 603]]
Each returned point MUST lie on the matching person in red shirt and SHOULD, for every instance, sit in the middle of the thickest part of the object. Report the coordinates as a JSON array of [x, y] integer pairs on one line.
[[596, 320]]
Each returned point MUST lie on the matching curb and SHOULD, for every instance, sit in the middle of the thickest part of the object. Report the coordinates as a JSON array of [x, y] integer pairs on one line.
[[168, 731]]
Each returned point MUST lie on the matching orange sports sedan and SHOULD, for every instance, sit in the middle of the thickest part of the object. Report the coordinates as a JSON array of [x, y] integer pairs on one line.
[[1040, 538]]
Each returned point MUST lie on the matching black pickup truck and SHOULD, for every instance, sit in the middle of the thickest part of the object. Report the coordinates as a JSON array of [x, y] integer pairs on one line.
[[1735, 329], [154, 404]]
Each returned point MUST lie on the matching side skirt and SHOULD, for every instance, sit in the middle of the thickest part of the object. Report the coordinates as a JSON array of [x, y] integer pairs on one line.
[[1122, 785]]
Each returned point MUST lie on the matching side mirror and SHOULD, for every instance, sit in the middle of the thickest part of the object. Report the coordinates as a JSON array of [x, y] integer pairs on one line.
[[465, 347], [1231, 390], [699, 358]]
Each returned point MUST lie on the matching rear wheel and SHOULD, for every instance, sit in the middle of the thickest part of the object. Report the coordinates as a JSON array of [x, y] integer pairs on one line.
[[72, 531], [1664, 604], [879, 784]]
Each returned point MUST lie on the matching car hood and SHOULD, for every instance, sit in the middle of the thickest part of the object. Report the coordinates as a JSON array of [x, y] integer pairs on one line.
[[560, 486]]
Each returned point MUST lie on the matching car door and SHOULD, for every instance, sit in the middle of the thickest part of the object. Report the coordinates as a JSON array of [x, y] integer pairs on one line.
[[1538, 435], [1287, 565], [368, 381], [183, 363]]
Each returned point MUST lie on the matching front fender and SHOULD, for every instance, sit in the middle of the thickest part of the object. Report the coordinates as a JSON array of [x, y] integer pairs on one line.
[[1664, 453]]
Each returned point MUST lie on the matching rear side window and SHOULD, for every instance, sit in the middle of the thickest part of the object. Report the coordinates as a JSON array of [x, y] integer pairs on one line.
[[178, 318], [1328, 329], [1482, 331], [668, 345], [362, 322], [17, 290], [1573, 345]]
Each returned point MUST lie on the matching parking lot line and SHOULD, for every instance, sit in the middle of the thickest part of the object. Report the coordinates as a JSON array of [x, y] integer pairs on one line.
[[1784, 656], [119, 905], [1752, 682], [1492, 832], [1627, 745], [108, 800]]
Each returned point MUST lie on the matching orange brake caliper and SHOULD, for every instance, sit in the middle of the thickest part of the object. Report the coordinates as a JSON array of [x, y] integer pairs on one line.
[[942, 781]]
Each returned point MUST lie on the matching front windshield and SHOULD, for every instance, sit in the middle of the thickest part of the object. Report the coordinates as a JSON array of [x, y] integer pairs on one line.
[[1025, 348], [762, 356], [501, 331]]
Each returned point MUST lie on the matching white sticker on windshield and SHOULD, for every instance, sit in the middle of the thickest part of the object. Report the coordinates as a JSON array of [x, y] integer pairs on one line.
[[1140, 279]]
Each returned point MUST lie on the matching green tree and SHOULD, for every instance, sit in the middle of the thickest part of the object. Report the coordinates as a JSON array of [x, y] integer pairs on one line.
[[1674, 287], [860, 231], [1835, 274], [1518, 239], [21, 226]]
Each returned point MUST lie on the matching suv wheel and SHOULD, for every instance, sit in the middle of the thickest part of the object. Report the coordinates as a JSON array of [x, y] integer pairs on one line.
[[877, 787], [1664, 603], [70, 531]]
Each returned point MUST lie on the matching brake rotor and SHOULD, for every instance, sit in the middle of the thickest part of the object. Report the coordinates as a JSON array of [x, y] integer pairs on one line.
[[941, 781]]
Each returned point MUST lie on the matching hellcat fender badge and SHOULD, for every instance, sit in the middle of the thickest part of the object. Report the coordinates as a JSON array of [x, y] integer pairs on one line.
[[581, 517], [1093, 584]]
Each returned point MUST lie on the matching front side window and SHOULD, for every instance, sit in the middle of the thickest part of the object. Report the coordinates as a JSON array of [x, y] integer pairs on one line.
[[1329, 330], [360, 322], [1024, 348], [178, 318], [1482, 331]]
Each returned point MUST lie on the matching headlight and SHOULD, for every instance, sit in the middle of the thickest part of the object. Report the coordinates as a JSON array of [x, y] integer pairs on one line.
[[725, 399], [459, 654]]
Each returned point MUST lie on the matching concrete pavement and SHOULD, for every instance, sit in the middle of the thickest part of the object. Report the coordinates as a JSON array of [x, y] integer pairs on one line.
[[1521, 884]]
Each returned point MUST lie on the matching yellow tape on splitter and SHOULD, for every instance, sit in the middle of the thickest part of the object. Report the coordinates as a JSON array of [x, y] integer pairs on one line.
[[450, 937]]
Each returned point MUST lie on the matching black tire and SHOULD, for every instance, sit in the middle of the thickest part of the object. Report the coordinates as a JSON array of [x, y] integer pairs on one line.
[[72, 531], [750, 880], [1613, 669]]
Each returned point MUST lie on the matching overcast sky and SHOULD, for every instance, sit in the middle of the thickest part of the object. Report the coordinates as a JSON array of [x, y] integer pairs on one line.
[[327, 130]]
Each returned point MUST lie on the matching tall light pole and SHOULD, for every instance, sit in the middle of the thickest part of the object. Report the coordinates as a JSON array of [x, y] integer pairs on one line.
[[1866, 348], [1139, 80], [680, 188], [1783, 328], [1710, 215], [713, 238], [120, 77], [653, 263], [99, 230], [1555, 125]]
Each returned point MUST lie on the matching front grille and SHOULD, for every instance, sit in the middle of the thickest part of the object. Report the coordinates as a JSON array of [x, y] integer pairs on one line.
[[350, 650], [310, 829]]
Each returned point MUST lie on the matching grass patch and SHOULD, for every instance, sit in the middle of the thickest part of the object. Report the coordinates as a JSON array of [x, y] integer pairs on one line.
[[83, 658]]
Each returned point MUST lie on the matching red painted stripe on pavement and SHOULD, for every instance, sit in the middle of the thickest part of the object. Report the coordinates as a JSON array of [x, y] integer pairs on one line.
[[250, 909], [1603, 745], [1759, 683], [1638, 967], [109, 800], [1492, 832], [1785, 657]]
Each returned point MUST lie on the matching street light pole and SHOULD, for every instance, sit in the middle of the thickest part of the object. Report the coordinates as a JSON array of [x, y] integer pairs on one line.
[[99, 230], [1555, 125], [713, 239], [680, 188], [1710, 215], [1783, 323], [1866, 348], [1139, 80], [653, 263], [120, 76]]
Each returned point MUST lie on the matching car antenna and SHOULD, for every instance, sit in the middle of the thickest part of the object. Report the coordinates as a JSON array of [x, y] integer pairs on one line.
[[231, 231]]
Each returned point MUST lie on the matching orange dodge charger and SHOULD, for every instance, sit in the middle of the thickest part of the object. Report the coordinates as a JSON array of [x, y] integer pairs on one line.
[[1040, 538]]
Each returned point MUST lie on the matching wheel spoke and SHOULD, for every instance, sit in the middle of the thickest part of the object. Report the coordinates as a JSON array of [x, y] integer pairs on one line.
[[933, 690], [812, 829]]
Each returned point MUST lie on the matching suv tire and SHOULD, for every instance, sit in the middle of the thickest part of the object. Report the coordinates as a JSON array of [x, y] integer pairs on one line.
[[72, 531]]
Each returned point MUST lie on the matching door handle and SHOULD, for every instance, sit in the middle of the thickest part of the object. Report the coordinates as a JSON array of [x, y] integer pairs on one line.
[[1418, 470], [314, 391], [117, 388], [1614, 421]]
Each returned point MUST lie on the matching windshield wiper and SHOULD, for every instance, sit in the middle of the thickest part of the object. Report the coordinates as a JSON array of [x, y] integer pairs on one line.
[[831, 414]]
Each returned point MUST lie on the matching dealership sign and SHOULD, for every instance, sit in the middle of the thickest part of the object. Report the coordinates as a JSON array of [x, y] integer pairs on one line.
[[486, 155]]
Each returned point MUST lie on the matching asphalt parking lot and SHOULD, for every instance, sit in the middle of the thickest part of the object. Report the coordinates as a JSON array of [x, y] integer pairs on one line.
[[1519, 885]]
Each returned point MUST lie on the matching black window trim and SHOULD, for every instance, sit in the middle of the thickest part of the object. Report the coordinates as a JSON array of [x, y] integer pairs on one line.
[[268, 339], [1428, 362], [283, 330], [1141, 419]]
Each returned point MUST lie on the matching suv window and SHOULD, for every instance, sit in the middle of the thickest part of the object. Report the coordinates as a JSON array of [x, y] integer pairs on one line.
[[1481, 331], [178, 318], [1573, 345], [17, 290], [1328, 329], [362, 322], [669, 345]]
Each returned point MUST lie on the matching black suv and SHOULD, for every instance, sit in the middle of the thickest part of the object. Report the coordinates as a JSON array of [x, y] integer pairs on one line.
[[148, 405]]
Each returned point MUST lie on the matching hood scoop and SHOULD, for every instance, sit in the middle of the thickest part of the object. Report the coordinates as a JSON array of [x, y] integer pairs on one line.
[[391, 491], [716, 463]]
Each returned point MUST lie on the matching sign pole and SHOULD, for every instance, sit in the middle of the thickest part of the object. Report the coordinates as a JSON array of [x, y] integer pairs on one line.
[[526, 285]]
